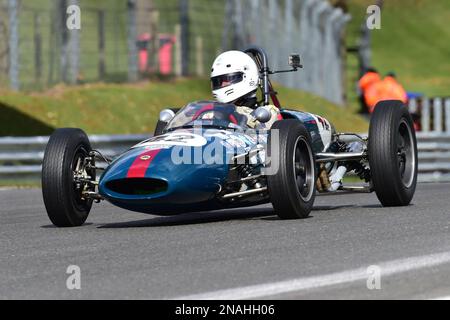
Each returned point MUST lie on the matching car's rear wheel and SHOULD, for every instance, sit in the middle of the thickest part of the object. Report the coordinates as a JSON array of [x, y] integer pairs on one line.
[[64, 159], [393, 154], [291, 187]]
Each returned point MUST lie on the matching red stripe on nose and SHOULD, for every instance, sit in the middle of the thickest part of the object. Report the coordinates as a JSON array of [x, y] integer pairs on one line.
[[140, 165]]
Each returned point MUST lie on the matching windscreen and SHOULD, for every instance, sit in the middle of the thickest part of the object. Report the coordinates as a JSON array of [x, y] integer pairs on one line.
[[208, 114]]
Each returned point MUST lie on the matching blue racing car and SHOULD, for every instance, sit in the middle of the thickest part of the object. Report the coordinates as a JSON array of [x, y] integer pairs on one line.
[[210, 155]]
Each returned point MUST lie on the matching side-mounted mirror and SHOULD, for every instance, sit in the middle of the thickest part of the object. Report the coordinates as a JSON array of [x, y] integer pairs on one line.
[[262, 115], [295, 61], [166, 115]]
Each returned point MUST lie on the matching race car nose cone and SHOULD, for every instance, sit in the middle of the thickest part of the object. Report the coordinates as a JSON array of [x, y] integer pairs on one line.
[[151, 177]]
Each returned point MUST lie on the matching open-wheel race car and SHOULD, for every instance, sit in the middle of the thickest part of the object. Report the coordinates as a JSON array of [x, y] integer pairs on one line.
[[205, 157]]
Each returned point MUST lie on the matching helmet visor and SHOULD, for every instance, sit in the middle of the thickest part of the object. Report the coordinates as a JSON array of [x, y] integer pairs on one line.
[[226, 80]]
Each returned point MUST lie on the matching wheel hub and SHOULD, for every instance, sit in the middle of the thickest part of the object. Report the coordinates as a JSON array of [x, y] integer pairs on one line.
[[406, 154], [303, 169]]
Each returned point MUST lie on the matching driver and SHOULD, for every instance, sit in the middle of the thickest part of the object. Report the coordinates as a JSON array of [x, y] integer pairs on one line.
[[235, 79]]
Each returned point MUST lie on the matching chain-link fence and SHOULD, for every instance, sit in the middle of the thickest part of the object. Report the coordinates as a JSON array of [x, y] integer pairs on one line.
[[47, 52], [119, 40], [313, 28], [124, 40]]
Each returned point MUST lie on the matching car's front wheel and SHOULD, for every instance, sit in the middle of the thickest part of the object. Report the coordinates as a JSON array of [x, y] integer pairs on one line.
[[291, 182], [64, 161]]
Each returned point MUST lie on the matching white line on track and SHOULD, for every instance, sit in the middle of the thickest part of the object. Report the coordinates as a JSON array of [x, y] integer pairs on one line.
[[315, 282], [442, 298]]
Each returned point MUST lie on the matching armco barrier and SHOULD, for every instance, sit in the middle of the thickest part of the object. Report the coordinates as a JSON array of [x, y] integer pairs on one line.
[[434, 156], [433, 114], [433, 118], [21, 158]]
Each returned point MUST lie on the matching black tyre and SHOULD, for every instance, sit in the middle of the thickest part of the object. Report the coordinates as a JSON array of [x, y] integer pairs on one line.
[[393, 154], [161, 125], [292, 187], [63, 199]]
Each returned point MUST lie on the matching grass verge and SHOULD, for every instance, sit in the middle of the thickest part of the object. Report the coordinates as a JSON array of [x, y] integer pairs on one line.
[[126, 109]]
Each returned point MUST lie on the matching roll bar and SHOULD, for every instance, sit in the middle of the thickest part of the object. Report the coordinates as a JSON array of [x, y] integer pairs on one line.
[[260, 56]]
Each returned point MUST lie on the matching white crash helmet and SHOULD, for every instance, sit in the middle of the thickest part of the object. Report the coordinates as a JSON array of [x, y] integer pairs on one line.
[[234, 74]]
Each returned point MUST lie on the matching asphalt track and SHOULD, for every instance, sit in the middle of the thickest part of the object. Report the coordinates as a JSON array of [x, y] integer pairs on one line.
[[241, 254]]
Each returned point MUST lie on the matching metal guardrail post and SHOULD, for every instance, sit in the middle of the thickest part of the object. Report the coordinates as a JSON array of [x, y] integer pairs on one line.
[[425, 119], [413, 106], [447, 115], [437, 114]]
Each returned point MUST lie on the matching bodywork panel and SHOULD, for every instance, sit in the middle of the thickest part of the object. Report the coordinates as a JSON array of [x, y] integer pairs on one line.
[[193, 163], [185, 169]]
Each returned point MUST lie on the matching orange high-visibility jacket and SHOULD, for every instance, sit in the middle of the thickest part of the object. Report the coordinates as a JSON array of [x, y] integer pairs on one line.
[[388, 89], [367, 80]]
